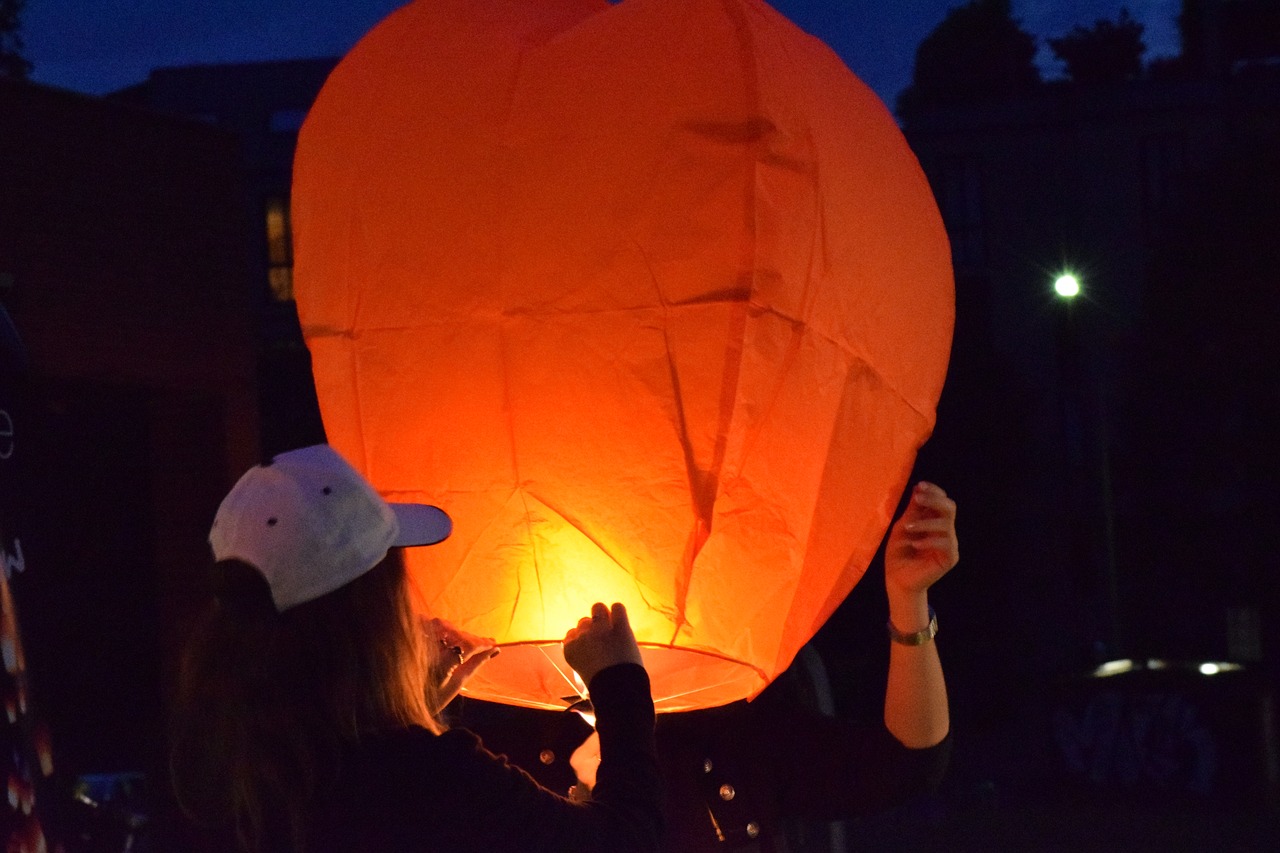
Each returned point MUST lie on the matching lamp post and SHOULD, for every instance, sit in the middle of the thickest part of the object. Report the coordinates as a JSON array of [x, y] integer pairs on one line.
[[1088, 465]]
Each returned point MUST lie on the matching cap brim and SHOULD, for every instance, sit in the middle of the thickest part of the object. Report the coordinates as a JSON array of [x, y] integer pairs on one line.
[[421, 524]]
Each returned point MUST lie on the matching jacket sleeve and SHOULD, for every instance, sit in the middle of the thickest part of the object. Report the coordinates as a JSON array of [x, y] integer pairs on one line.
[[833, 768], [740, 772], [515, 813]]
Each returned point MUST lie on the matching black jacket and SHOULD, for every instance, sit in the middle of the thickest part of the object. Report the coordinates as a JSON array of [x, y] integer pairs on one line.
[[411, 790], [736, 776]]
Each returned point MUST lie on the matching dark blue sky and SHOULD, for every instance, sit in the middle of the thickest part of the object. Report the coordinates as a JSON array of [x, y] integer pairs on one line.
[[97, 46]]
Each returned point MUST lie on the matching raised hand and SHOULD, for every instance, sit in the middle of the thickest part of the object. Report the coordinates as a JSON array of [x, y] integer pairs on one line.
[[922, 548], [599, 641], [454, 655], [922, 545]]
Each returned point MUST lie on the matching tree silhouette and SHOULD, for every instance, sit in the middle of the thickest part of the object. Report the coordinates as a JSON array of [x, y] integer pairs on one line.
[[978, 52], [12, 62], [1109, 52]]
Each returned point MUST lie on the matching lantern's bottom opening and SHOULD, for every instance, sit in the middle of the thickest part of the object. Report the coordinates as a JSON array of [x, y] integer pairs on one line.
[[535, 675]]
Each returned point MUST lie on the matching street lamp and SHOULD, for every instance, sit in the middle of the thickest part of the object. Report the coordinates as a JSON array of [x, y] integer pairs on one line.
[[1067, 286]]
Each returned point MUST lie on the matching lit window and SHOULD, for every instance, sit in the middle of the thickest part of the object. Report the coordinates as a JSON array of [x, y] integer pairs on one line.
[[279, 250], [1216, 667], [1116, 667]]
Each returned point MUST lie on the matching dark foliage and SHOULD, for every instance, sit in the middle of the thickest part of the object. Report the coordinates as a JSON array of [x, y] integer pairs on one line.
[[1218, 38], [12, 62], [1107, 52], [978, 52]]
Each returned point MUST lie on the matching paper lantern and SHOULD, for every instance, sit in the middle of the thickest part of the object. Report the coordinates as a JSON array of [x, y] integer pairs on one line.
[[651, 296]]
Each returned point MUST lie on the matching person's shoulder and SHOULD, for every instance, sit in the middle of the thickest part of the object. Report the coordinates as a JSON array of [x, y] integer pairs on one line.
[[463, 740], [415, 740], [411, 758]]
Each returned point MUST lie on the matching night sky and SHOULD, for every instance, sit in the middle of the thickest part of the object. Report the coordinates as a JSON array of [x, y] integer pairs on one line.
[[98, 46]]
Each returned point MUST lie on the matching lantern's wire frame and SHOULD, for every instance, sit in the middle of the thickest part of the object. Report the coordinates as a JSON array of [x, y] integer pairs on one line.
[[571, 678], [574, 682]]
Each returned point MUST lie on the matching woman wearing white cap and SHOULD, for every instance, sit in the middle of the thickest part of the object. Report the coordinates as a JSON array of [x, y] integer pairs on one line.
[[306, 701]]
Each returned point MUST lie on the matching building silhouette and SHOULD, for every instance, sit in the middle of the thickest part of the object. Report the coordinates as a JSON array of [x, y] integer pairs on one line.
[[123, 267], [1110, 450], [262, 105], [1096, 179]]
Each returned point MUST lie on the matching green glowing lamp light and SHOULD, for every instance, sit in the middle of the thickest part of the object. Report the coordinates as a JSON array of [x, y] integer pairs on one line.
[[1067, 286]]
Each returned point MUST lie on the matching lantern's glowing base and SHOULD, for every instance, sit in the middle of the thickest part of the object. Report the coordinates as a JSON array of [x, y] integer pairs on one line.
[[525, 673]]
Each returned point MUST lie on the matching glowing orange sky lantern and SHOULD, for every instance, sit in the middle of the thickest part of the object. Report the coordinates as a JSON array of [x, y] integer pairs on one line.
[[652, 297]]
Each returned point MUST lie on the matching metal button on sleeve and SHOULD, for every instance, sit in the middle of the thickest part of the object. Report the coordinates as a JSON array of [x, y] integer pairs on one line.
[[753, 829], [546, 756], [727, 793]]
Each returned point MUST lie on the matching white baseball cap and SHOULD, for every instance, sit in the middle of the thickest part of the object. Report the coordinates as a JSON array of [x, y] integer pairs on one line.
[[310, 523]]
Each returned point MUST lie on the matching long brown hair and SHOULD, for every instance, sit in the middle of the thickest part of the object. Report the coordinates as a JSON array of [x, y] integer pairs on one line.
[[268, 701]]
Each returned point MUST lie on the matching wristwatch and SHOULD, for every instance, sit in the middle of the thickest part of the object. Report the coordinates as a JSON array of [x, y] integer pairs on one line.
[[919, 638]]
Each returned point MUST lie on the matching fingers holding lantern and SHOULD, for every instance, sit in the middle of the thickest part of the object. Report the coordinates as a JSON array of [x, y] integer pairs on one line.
[[923, 545]]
